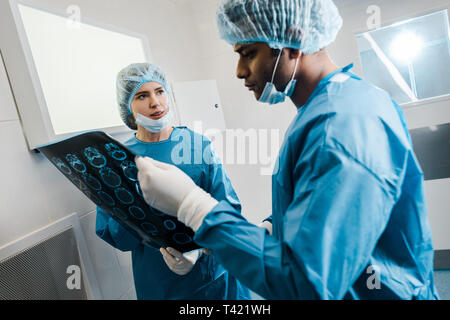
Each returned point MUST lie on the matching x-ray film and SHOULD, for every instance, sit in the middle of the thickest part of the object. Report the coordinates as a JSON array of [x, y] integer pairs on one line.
[[105, 171]]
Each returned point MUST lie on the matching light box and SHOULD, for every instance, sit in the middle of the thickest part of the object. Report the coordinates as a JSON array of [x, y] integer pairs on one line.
[[72, 64]]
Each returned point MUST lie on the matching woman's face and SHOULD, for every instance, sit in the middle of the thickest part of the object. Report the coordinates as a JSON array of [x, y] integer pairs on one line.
[[151, 101]]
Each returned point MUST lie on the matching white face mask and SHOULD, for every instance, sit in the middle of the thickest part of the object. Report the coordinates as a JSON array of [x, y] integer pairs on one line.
[[271, 95], [154, 126]]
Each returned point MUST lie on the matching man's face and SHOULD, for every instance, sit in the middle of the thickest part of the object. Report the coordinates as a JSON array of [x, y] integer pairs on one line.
[[256, 65]]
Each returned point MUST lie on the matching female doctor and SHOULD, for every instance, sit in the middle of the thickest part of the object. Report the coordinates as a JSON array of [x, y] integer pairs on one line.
[[143, 98]]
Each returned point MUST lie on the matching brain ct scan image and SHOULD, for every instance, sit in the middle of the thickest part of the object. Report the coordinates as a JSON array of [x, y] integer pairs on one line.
[[105, 171]]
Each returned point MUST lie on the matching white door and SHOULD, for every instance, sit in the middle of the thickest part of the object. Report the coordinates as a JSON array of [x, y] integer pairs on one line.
[[198, 105]]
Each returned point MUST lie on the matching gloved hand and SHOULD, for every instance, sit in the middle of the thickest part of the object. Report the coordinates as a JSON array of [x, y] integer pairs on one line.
[[180, 263], [267, 225], [170, 190], [163, 186]]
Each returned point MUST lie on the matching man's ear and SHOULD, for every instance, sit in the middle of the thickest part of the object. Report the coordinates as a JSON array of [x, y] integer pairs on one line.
[[294, 53]]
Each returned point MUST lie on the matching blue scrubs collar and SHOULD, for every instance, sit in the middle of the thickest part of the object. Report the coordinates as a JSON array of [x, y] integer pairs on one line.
[[172, 136], [327, 79]]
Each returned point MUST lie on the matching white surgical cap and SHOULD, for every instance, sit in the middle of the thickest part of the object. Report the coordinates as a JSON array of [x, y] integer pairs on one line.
[[129, 80], [307, 25]]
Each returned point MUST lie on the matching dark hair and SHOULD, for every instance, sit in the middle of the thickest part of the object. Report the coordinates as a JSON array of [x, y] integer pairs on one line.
[[275, 52]]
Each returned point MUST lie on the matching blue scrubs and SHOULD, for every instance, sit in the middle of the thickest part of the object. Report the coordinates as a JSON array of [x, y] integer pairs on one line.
[[349, 213], [192, 153]]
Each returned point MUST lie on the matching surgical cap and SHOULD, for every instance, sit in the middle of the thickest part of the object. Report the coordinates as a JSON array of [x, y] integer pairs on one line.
[[129, 80], [306, 25]]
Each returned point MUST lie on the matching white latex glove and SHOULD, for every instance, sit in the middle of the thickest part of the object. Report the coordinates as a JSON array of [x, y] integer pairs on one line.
[[163, 186], [267, 225], [180, 263], [170, 190]]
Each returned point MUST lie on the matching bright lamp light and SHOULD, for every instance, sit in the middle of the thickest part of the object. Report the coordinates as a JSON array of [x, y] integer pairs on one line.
[[406, 47]]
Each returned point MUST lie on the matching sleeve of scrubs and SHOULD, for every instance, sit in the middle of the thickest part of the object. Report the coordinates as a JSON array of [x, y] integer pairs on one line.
[[219, 185], [330, 228], [114, 233]]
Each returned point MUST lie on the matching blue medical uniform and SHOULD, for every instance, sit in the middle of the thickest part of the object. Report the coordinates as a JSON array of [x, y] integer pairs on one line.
[[349, 213], [192, 153]]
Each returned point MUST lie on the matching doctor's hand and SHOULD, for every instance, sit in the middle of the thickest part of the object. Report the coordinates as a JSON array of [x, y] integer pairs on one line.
[[163, 186], [179, 263], [170, 190]]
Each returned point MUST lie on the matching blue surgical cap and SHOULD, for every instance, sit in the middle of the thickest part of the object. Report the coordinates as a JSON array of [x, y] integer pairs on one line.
[[306, 25], [129, 80]]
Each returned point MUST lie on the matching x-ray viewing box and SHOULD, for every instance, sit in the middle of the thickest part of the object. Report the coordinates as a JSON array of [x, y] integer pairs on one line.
[[62, 69]]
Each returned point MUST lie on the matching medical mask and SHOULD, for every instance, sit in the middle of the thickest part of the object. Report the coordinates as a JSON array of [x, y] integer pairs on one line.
[[154, 126], [271, 95]]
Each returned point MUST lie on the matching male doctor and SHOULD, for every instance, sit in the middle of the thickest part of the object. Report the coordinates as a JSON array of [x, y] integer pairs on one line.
[[349, 215]]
